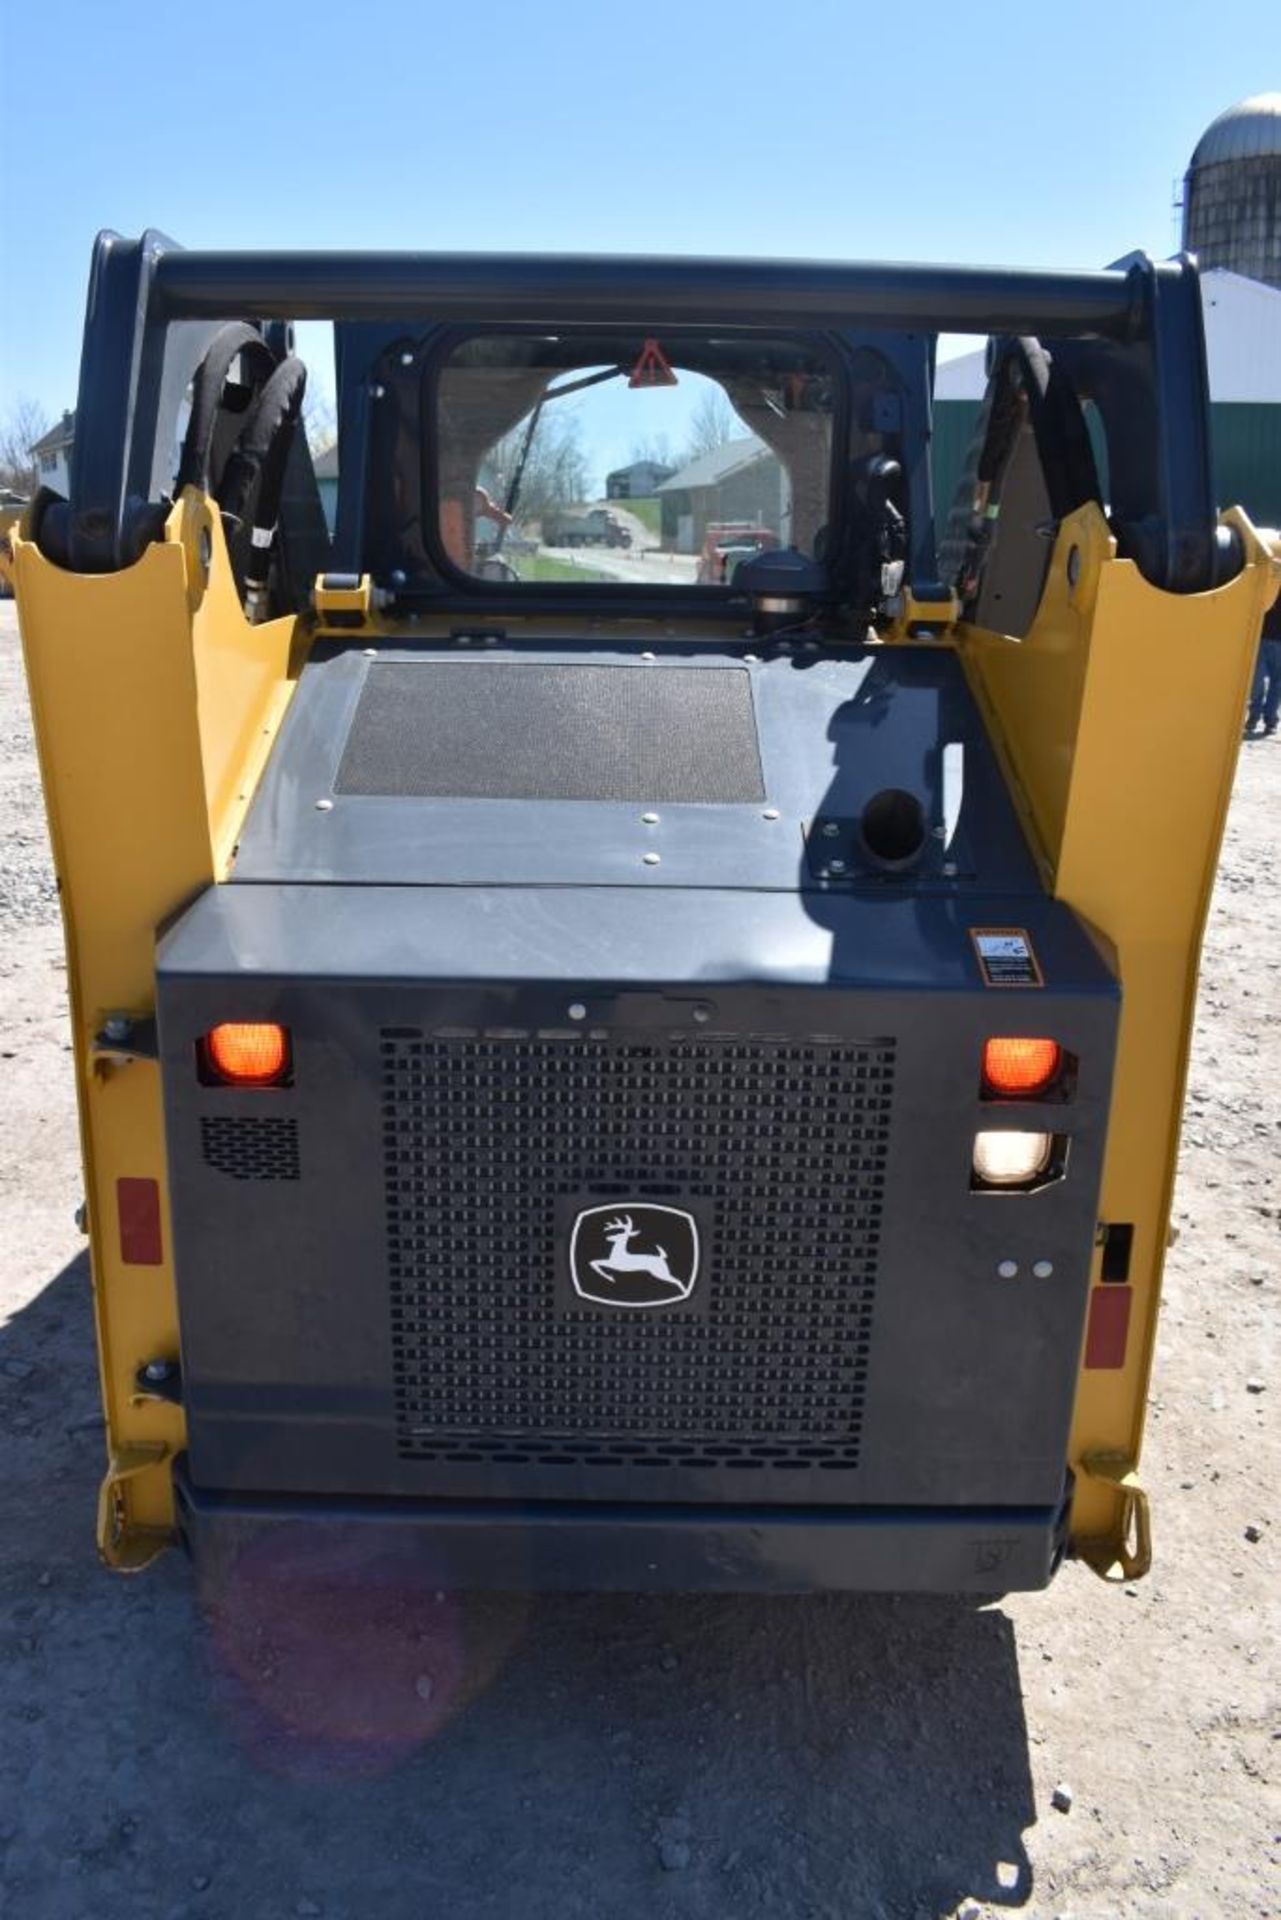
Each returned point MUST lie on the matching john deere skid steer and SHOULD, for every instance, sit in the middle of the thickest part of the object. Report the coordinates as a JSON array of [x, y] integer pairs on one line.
[[640, 1079]]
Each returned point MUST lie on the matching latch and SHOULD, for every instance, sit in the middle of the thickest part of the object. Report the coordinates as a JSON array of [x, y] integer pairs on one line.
[[1126, 1552], [921, 619], [347, 599], [126, 1548]]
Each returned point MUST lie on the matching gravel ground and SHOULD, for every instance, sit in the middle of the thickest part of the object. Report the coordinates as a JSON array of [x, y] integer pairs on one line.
[[359, 1745]]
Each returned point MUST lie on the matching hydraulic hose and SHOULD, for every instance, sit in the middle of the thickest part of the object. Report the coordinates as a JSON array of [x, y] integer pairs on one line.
[[206, 397], [254, 470]]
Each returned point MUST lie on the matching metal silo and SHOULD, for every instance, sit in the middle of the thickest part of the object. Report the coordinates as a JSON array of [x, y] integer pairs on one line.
[[1232, 191]]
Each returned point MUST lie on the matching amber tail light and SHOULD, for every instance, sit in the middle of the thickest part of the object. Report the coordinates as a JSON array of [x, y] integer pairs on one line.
[[1017, 1068], [246, 1053]]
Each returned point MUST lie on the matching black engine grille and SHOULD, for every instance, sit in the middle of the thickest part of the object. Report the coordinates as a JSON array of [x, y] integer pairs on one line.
[[252, 1148], [783, 1143]]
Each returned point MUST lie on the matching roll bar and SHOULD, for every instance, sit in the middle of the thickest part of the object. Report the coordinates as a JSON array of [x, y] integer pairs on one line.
[[1129, 338], [550, 289]]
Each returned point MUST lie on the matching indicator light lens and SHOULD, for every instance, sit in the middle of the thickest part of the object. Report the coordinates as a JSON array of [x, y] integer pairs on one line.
[[1019, 1067], [248, 1053], [1011, 1159]]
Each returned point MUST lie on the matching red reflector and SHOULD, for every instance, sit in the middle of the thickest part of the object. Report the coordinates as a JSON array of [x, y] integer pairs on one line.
[[1019, 1066], [1109, 1326], [138, 1207], [248, 1053]]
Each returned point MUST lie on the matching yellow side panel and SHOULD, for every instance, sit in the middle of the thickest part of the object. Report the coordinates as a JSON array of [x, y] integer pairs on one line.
[[243, 683], [154, 704], [1119, 718]]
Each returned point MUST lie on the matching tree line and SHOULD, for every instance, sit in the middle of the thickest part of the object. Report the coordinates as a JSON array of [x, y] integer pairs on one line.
[[23, 424], [557, 471]]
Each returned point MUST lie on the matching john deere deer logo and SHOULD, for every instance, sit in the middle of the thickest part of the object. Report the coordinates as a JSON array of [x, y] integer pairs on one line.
[[641, 1257]]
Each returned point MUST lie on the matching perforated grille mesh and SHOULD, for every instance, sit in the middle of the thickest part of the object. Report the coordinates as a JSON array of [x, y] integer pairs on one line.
[[781, 1145], [253, 1148]]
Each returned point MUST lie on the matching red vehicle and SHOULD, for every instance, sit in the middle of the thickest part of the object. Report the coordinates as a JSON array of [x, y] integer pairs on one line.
[[725, 543]]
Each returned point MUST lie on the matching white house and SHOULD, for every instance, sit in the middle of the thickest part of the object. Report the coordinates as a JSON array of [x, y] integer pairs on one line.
[[52, 455]]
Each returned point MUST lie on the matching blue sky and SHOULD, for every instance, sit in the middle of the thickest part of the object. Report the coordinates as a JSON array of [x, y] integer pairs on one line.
[[816, 128]]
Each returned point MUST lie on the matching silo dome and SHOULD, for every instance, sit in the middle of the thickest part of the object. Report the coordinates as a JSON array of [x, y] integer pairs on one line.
[[1232, 192]]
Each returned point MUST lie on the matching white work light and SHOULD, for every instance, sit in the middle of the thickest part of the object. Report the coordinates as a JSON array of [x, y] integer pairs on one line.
[[1010, 1159]]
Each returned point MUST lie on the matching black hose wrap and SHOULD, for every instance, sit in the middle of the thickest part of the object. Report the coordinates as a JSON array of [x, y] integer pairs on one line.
[[253, 471], [206, 397], [261, 451]]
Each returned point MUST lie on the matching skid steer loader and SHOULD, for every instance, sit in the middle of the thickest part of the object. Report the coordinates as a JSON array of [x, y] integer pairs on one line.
[[640, 1081]]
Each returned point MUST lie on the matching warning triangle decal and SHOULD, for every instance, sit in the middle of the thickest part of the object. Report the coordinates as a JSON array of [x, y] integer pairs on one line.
[[652, 368]]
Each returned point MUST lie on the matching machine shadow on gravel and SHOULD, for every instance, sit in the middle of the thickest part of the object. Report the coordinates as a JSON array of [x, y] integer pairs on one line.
[[802, 1754], [51, 1415]]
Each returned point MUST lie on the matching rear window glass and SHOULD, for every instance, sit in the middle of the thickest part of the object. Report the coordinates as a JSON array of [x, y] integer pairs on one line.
[[583, 459]]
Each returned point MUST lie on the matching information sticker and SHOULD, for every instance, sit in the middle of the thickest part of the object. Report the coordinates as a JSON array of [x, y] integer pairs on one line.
[[1006, 958]]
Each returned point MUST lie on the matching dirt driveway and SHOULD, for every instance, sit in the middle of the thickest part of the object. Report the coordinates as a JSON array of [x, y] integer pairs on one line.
[[358, 1745]]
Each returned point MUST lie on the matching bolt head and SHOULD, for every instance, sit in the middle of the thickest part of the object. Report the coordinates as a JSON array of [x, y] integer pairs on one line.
[[836, 866], [651, 859], [324, 806], [1008, 1269], [406, 359], [649, 819], [770, 813], [117, 1027], [1042, 1269], [830, 829], [156, 1370], [576, 1010]]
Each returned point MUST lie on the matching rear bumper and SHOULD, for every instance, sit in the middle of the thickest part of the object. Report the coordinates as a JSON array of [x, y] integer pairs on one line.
[[573, 1547]]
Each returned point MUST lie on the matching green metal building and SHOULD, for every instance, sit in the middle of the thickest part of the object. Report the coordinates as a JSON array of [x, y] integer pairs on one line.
[[1232, 222], [1243, 346]]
